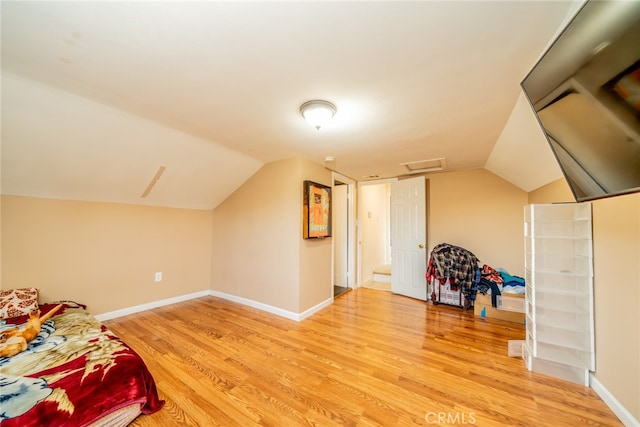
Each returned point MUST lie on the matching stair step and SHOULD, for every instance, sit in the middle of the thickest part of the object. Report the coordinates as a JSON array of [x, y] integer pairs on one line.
[[384, 278]]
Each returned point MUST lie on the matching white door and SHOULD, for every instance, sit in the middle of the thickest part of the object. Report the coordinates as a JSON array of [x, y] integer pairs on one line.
[[408, 238], [340, 233], [344, 233]]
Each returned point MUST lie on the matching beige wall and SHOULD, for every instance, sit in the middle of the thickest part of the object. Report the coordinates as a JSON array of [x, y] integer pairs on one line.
[[616, 250], [554, 192], [481, 212], [315, 254], [258, 249], [104, 254]]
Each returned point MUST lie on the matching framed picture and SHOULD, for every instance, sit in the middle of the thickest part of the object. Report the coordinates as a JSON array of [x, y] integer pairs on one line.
[[316, 211]]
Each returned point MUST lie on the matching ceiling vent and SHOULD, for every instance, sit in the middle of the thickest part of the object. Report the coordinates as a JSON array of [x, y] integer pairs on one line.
[[423, 166], [155, 179]]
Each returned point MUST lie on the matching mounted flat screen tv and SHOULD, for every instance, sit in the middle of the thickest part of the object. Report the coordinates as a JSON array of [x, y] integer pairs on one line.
[[585, 92]]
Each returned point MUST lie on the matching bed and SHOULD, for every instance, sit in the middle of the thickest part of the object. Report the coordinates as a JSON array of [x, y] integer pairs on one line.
[[74, 373]]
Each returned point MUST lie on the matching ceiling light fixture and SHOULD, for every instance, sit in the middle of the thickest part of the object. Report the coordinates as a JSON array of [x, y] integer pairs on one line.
[[317, 112]]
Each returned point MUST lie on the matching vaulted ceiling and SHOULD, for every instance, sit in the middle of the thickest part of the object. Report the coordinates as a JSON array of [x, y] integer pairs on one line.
[[100, 97]]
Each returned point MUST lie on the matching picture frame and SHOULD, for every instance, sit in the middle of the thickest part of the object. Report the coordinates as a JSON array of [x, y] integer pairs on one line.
[[316, 211]]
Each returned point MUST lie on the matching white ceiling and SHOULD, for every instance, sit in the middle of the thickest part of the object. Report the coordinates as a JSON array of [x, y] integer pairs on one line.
[[97, 96]]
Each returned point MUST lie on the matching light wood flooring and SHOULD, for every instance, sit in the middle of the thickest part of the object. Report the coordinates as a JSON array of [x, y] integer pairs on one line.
[[371, 359]]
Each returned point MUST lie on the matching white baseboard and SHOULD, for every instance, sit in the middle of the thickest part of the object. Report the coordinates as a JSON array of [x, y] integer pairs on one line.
[[614, 404], [142, 307], [271, 309], [245, 301], [315, 309]]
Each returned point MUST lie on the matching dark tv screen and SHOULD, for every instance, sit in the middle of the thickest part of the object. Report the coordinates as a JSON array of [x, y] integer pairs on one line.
[[585, 92]]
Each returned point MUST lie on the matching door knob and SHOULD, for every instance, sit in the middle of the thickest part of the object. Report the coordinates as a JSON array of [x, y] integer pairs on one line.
[[421, 246]]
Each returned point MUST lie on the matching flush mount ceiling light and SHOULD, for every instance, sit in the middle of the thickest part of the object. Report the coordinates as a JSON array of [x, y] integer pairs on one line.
[[317, 112]]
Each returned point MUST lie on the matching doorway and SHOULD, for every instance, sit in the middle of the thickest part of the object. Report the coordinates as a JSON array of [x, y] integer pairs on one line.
[[374, 234], [392, 235]]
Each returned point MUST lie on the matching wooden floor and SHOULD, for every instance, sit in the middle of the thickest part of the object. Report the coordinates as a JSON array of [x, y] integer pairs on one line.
[[372, 358]]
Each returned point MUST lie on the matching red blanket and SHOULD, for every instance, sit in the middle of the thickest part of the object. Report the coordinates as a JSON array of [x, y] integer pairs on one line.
[[74, 373]]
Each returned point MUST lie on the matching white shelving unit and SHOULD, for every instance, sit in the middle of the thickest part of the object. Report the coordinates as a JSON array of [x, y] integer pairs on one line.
[[559, 291]]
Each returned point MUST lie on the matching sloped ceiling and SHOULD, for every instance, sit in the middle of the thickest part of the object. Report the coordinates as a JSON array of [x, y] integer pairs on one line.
[[58, 145], [97, 96], [521, 155]]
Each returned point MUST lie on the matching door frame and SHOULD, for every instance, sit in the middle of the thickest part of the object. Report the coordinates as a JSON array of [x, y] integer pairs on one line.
[[351, 232]]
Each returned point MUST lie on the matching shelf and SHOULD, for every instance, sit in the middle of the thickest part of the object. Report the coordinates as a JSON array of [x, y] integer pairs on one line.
[[554, 369], [561, 230], [559, 282], [561, 354], [569, 212], [559, 291], [553, 306], [559, 245], [565, 321], [572, 303], [571, 265], [565, 338]]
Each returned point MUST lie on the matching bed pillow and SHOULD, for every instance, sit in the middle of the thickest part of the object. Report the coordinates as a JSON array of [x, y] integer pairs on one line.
[[18, 302]]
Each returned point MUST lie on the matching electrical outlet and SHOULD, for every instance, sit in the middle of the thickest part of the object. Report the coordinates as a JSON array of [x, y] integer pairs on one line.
[[159, 276]]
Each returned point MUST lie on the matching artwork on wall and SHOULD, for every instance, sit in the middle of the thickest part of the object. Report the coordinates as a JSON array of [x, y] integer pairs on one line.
[[316, 211]]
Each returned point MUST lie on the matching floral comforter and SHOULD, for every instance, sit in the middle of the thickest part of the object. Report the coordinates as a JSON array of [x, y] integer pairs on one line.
[[73, 374]]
